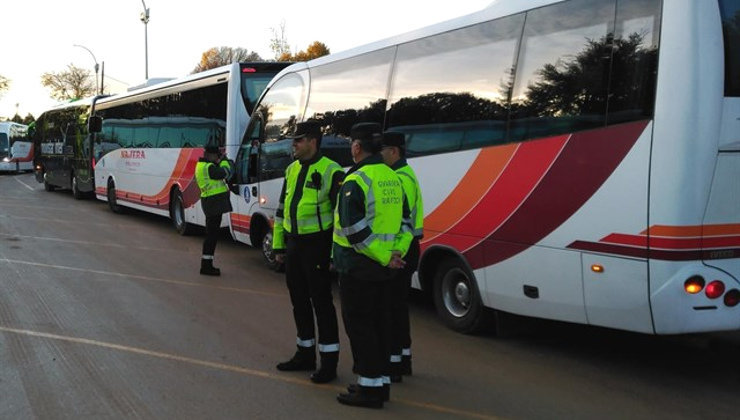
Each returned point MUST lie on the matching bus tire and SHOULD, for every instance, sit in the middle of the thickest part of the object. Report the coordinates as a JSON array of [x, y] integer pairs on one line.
[[177, 214], [457, 299], [269, 255], [112, 200], [47, 186], [76, 193]]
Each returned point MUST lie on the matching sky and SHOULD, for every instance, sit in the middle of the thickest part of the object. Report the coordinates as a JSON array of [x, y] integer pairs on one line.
[[39, 35]]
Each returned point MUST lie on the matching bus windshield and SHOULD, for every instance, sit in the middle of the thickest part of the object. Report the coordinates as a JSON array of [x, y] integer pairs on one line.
[[255, 79], [730, 10]]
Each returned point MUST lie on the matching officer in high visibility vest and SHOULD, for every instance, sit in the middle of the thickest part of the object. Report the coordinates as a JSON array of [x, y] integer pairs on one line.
[[368, 248], [212, 173], [394, 155], [302, 237]]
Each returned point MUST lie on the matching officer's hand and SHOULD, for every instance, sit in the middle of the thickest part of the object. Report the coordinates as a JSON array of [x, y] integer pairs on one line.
[[280, 258]]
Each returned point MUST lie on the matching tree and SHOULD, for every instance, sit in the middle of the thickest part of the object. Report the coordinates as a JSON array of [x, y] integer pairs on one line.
[[279, 44], [73, 83], [28, 119], [17, 119], [221, 56], [4, 84], [315, 50]]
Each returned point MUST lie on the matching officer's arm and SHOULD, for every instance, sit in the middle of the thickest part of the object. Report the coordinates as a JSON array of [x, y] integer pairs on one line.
[[278, 232], [221, 171], [336, 183], [353, 222], [406, 235]]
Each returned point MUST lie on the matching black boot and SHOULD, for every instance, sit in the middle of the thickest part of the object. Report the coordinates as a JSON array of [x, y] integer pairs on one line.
[[328, 370], [405, 365], [396, 372], [353, 388], [303, 359], [207, 268], [371, 397]]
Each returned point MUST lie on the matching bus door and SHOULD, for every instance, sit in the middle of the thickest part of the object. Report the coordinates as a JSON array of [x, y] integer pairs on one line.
[[245, 187]]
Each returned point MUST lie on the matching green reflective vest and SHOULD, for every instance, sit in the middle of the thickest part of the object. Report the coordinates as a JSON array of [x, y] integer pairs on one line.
[[377, 234], [209, 187], [313, 210], [413, 195]]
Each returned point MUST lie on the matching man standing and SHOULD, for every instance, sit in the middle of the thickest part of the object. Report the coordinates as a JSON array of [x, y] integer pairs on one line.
[[367, 247], [211, 173], [394, 155], [302, 237]]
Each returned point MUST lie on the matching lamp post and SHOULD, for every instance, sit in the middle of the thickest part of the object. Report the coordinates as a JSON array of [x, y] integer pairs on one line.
[[97, 67], [145, 19]]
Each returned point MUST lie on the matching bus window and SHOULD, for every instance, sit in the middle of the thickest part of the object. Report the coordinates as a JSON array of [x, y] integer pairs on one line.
[[443, 82], [730, 10], [275, 157], [562, 74]]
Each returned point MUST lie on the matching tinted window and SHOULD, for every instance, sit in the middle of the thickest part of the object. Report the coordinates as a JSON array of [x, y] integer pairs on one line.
[[634, 61], [191, 118], [252, 87], [563, 69], [451, 91], [346, 92], [281, 107], [4, 146], [730, 10]]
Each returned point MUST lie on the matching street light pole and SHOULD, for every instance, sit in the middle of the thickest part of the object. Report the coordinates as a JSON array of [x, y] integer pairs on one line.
[[97, 67], [145, 18]]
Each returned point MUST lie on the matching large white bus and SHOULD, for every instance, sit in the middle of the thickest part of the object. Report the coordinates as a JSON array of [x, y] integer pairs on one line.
[[579, 159], [16, 151], [150, 139]]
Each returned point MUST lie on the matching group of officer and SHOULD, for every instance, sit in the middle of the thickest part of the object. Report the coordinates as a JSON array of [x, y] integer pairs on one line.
[[367, 223]]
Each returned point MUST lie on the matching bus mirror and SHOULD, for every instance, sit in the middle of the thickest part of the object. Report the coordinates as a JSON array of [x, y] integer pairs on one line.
[[95, 124]]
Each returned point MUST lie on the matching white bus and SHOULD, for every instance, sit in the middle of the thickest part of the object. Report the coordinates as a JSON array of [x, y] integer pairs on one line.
[[579, 160], [151, 138], [16, 151]]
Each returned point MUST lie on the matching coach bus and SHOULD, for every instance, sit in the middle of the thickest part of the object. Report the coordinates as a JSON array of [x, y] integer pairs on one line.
[[16, 153], [151, 138], [63, 147], [578, 159]]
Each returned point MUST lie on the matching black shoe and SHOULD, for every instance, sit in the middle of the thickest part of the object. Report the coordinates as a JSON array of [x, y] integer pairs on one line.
[[328, 370], [323, 376], [210, 271], [353, 388], [303, 359], [207, 268], [405, 366], [364, 397]]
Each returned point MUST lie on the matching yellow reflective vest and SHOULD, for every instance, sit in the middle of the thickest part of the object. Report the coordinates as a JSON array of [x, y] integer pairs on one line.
[[375, 231], [210, 187], [305, 206]]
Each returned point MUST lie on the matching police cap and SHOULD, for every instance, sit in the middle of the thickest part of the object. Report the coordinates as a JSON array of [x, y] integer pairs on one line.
[[367, 132], [393, 138], [310, 128]]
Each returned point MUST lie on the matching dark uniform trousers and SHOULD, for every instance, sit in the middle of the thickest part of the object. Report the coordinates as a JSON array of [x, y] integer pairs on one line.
[[309, 283], [367, 318], [400, 287], [213, 229]]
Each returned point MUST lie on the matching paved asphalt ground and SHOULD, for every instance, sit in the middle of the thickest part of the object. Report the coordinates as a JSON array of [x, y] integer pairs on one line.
[[104, 316]]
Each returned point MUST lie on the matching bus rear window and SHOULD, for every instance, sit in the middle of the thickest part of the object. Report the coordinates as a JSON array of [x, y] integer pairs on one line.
[[730, 10]]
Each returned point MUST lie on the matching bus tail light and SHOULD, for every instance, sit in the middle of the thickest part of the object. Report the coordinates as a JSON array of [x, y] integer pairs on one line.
[[694, 285], [715, 289], [732, 297], [249, 70]]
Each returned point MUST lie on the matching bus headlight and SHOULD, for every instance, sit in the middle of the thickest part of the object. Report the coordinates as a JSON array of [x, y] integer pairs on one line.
[[6, 159]]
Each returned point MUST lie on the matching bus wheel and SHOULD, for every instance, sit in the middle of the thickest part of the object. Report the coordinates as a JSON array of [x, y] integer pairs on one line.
[[177, 214], [47, 186], [269, 255], [76, 193], [112, 200], [457, 299]]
